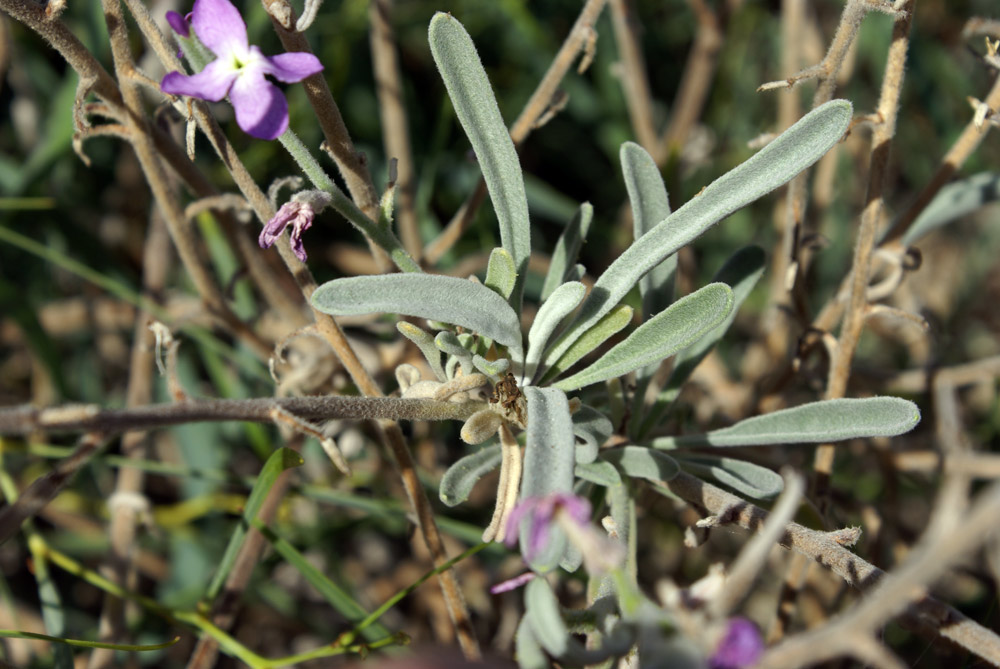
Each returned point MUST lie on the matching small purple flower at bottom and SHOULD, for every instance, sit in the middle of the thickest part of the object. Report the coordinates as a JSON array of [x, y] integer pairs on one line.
[[300, 216], [541, 512], [238, 70], [741, 646]]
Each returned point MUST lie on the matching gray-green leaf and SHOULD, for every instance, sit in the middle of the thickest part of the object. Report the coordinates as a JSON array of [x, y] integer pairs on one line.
[[567, 248], [741, 272], [461, 477], [744, 477], [476, 107], [560, 303], [549, 461], [650, 204], [501, 273], [644, 463], [791, 152], [674, 328], [440, 298], [816, 422], [954, 201]]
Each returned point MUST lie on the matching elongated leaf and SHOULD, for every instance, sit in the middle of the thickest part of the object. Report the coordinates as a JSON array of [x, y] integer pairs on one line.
[[529, 652], [601, 473], [549, 460], [471, 96], [791, 152], [425, 342], [461, 477], [650, 204], [567, 249], [603, 330], [542, 608], [744, 477], [440, 298], [494, 369], [594, 428], [338, 598], [501, 273], [644, 463], [280, 460], [954, 201], [741, 272], [560, 304], [677, 326], [816, 422]]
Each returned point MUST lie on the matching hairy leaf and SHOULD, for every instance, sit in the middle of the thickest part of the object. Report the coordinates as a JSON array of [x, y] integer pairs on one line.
[[561, 303], [744, 477], [741, 272], [791, 152], [440, 298], [604, 329], [501, 273], [816, 422], [549, 461], [644, 463], [476, 107], [954, 201], [542, 608], [650, 204], [602, 473], [677, 326], [567, 248], [461, 477], [425, 343], [594, 428]]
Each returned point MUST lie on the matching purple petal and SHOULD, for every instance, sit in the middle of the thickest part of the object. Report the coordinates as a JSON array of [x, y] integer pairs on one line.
[[261, 109], [179, 24], [512, 583], [302, 223], [212, 83], [741, 647], [219, 26], [292, 67], [286, 214]]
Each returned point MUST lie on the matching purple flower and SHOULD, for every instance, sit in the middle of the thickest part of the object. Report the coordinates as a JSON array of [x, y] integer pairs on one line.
[[741, 646], [239, 69], [542, 513], [180, 24], [299, 215]]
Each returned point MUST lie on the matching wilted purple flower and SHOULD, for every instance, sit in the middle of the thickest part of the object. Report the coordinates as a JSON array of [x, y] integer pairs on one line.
[[299, 215], [542, 512], [239, 69], [741, 646]]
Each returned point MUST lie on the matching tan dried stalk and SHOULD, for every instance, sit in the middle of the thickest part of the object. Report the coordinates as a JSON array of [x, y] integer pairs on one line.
[[888, 105]]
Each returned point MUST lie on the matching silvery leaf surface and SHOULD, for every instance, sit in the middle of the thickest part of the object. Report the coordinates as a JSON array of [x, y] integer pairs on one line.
[[674, 328], [816, 422], [602, 473], [650, 204], [549, 461], [642, 462], [954, 201], [476, 108], [741, 272], [744, 477], [440, 298], [794, 150], [567, 248], [608, 326], [501, 273], [594, 428], [425, 342], [559, 304], [459, 479]]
